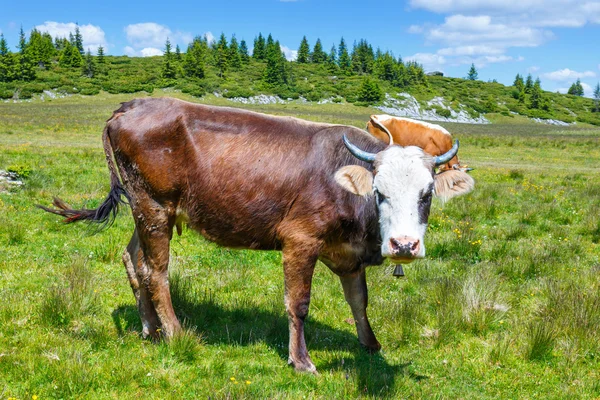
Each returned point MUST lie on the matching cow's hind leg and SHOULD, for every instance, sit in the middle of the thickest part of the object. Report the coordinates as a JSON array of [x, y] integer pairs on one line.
[[133, 259], [154, 225], [355, 291], [299, 260]]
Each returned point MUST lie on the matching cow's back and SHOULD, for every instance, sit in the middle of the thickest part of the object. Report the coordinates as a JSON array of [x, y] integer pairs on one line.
[[235, 174]]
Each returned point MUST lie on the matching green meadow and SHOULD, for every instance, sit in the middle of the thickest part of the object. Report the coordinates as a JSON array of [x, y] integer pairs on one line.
[[506, 303]]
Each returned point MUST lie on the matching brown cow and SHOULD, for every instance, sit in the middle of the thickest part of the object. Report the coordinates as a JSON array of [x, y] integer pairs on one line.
[[249, 180], [433, 139]]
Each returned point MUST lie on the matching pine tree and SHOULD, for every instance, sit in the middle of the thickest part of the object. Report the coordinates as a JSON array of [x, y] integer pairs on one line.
[[168, 70], [386, 68], [235, 59], [518, 83], [100, 56], [275, 71], [331, 60], [259, 51], [472, 75], [303, 52], [89, 66], [79, 40], [369, 91], [70, 56], [597, 97], [244, 52], [362, 57], [177, 53], [222, 55], [25, 66], [344, 60], [521, 95], [41, 48], [529, 84], [195, 58], [6, 61], [536, 95], [318, 55], [60, 43], [576, 89]]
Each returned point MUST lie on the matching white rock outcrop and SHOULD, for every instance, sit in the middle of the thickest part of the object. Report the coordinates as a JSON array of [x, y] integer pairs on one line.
[[411, 108]]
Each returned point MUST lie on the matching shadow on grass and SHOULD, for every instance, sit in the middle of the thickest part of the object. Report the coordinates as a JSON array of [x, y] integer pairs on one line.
[[245, 324]]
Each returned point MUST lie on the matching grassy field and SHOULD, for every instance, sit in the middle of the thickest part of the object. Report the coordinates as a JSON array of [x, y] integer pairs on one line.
[[505, 305]]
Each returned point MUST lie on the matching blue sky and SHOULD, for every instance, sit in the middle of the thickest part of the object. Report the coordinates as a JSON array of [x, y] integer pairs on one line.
[[557, 40]]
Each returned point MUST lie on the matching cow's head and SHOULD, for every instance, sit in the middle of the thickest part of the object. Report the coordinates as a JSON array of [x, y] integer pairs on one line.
[[403, 182]]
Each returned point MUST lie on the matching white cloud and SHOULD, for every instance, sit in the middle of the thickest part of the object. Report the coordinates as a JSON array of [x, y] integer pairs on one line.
[[533, 69], [145, 52], [566, 74], [540, 13], [290, 54], [151, 51], [460, 30], [148, 37], [93, 36], [416, 29], [469, 50], [130, 51], [148, 34], [430, 61], [483, 31]]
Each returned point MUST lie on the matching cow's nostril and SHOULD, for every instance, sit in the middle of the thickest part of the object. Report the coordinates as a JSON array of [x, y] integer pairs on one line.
[[415, 245]]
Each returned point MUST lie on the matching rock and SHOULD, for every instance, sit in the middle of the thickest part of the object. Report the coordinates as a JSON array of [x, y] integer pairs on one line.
[[410, 107], [8, 180], [260, 99]]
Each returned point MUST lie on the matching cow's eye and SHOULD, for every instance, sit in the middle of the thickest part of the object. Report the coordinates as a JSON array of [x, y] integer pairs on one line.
[[380, 197], [426, 197]]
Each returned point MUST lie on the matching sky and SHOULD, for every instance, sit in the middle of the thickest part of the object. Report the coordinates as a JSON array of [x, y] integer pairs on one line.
[[555, 40]]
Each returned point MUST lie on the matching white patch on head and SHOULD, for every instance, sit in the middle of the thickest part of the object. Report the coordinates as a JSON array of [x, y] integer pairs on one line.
[[435, 127], [402, 177]]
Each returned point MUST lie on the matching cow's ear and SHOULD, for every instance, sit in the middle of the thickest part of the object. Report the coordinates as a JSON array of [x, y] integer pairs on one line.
[[451, 183], [355, 179]]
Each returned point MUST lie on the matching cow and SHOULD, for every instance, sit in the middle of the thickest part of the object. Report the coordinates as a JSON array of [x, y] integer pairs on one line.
[[433, 139], [242, 179]]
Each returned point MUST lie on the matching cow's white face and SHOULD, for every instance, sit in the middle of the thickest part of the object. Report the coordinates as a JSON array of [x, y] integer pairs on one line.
[[403, 184], [403, 187]]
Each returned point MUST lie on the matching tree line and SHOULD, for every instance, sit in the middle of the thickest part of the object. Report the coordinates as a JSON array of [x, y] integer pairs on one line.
[[41, 51]]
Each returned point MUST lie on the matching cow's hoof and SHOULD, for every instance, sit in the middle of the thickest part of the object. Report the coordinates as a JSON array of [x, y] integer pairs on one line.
[[152, 334], [304, 366], [372, 348]]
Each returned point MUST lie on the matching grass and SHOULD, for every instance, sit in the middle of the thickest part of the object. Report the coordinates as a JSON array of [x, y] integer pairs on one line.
[[506, 304]]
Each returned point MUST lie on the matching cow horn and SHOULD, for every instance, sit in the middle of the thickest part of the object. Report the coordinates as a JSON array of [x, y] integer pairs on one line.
[[383, 128], [447, 156], [358, 153]]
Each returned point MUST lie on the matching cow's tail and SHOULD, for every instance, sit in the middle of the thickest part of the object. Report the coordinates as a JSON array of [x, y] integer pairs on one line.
[[106, 213]]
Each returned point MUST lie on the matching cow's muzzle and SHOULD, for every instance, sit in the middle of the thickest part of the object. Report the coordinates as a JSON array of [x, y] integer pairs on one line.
[[405, 248]]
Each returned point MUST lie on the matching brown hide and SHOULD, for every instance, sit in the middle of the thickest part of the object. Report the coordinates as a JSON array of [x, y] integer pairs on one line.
[[237, 175], [408, 132]]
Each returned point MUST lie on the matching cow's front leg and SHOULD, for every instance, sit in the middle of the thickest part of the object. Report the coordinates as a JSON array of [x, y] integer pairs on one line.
[[298, 266], [355, 291]]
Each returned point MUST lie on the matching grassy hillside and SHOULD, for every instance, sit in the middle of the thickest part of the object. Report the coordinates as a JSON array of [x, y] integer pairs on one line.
[[505, 305], [311, 81]]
